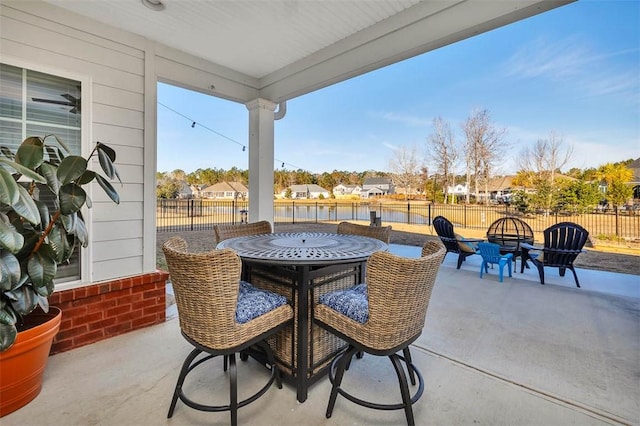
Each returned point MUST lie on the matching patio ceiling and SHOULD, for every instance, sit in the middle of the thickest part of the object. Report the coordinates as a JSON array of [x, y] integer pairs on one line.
[[285, 49]]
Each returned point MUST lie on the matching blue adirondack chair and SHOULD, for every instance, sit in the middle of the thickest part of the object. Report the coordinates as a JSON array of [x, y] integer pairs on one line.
[[490, 253]]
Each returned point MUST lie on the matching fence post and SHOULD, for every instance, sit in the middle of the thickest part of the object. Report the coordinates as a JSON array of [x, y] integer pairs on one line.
[[617, 221], [191, 213], [408, 213], [316, 212], [293, 212], [465, 215], [429, 214]]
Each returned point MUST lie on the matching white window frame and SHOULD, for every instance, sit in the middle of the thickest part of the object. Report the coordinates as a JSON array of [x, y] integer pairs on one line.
[[86, 132]]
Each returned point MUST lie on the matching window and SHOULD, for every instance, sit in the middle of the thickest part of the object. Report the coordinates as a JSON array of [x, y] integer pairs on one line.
[[37, 104]]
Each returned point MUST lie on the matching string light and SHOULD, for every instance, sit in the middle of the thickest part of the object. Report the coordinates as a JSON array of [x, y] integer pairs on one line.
[[244, 147]]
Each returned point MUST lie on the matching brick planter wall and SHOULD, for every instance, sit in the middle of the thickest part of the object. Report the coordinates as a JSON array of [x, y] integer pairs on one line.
[[99, 311]]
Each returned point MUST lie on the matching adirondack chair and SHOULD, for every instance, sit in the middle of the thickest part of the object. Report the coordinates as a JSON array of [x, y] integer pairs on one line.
[[454, 243], [563, 242], [490, 253]]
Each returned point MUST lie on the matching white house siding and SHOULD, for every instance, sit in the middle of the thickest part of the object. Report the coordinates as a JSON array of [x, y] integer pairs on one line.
[[119, 71], [38, 36]]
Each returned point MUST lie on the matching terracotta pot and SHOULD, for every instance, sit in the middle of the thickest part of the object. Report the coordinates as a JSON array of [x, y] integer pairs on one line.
[[23, 364]]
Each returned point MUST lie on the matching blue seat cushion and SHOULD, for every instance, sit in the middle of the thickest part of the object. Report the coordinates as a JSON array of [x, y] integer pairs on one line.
[[253, 302], [352, 302]]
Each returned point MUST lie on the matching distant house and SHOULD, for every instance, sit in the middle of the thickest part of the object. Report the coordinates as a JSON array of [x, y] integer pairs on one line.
[[342, 190], [458, 190], [377, 187], [306, 191], [226, 191], [185, 190]]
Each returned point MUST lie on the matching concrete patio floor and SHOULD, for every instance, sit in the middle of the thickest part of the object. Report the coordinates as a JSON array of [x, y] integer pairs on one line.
[[511, 353]]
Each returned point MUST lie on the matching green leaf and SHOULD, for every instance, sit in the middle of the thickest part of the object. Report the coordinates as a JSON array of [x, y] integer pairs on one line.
[[44, 213], [62, 144], [26, 207], [23, 299], [71, 168], [57, 240], [106, 150], [81, 232], [31, 153], [8, 188], [69, 247], [42, 268], [89, 202], [43, 302], [72, 198], [50, 172], [10, 239], [108, 189], [10, 271], [8, 334], [86, 177], [106, 164], [69, 222], [23, 170]]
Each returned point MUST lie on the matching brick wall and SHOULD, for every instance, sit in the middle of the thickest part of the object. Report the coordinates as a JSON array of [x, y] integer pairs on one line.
[[104, 310]]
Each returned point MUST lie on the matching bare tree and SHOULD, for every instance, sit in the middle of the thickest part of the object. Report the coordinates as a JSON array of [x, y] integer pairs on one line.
[[484, 145], [444, 153], [541, 163], [546, 157], [405, 168]]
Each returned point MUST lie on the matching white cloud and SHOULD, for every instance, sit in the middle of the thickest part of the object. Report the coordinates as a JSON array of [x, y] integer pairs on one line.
[[409, 120], [573, 61]]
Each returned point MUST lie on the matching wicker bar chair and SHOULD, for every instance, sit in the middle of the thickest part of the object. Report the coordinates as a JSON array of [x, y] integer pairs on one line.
[[379, 319], [220, 315], [233, 230], [382, 233], [455, 243]]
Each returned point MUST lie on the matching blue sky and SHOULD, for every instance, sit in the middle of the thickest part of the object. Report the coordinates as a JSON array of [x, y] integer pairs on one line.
[[574, 70]]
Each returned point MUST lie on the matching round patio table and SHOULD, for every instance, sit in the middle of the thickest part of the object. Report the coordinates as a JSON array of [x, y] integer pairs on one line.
[[301, 266]]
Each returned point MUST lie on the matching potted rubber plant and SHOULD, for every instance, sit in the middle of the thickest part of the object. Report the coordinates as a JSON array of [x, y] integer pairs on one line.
[[35, 238]]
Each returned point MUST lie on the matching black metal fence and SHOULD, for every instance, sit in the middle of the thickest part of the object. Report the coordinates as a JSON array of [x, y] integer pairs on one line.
[[197, 214]]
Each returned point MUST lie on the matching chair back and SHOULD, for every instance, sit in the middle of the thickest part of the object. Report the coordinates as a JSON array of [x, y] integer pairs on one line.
[[382, 233], [206, 290], [490, 252], [563, 242], [233, 230], [399, 290], [444, 229]]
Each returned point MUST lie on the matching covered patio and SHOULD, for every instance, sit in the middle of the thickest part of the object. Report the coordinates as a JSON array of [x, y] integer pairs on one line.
[[514, 352]]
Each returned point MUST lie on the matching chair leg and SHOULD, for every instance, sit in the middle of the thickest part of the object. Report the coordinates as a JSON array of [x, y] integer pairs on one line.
[[501, 271], [575, 276], [183, 374], [233, 389], [407, 357], [342, 362], [510, 268], [483, 265], [404, 388], [460, 260], [541, 273]]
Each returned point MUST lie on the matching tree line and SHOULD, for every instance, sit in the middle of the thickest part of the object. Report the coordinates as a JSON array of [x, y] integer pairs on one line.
[[472, 159]]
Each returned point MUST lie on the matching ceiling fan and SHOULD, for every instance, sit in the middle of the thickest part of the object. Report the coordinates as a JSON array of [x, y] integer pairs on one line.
[[71, 101]]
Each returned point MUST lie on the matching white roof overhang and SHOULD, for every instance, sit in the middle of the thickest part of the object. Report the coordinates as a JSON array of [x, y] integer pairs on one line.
[[283, 49]]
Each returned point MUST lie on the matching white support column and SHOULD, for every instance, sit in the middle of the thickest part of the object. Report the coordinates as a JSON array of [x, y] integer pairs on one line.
[[261, 157]]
